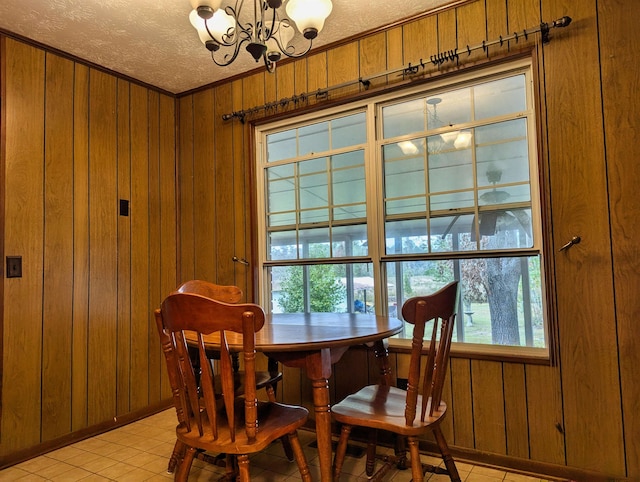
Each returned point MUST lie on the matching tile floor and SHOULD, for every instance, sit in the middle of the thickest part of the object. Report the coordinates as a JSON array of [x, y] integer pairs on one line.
[[140, 451]]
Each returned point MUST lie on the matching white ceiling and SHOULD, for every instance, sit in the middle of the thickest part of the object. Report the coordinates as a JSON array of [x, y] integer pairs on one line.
[[152, 40]]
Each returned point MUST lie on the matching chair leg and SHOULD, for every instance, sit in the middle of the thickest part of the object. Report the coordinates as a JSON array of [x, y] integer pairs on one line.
[[371, 452], [231, 467], [271, 396], [243, 468], [341, 451], [416, 464], [446, 455], [185, 465], [400, 450], [286, 445], [298, 455], [178, 453]]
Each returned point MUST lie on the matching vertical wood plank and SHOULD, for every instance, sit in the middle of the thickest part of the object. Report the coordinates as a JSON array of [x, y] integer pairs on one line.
[[544, 409], [588, 350], [316, 75], [448, 30], [168, 223], [224, 175], [204, 202], [488, 406], [124, 251], [395, 50], [23, 220], [155, 238], [419, 39], [103, 247], [240, 187], [140, 304], [471, 22], [462, 403], [291, 388], [79, 354], [521, 15], [346, 380], [270, 87], [373, 57], [515, 410], [252, 95], [496, 18], [57, 300], [617, 21], [185, 180], [447, 424], [286, 81], [300, 72], [342, 66]]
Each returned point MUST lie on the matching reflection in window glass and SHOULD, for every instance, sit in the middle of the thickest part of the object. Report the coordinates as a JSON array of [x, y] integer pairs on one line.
[[492, 308], [449, 108], [500, 97], [404, 118], [313, 138], [282, 145], [348, 131]]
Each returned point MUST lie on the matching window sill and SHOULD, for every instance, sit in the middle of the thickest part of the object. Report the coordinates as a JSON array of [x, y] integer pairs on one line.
[[473, 351]]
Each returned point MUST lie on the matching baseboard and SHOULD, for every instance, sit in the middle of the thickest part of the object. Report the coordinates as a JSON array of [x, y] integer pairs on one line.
[[71, 438]]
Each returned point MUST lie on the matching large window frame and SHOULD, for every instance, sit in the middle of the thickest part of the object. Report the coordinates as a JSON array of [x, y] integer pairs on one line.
[[377, 259]]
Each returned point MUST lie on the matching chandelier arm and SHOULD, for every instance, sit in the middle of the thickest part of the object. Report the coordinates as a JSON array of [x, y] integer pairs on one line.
[[294, 55], [258, 21], [273, 28], [269, 64], [229, 58]]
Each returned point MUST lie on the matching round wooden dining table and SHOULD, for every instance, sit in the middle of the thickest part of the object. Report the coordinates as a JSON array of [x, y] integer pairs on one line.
[[313, 342]]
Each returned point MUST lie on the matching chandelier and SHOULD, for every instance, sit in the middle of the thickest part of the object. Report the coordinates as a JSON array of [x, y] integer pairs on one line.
[[446, 137], [266, 31]]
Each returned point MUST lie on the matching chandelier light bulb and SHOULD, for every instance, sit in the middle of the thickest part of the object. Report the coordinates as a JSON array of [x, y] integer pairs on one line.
[[222, 27], [408, 148], [309, 15], [463, 140], [449, 136], [198, 23]]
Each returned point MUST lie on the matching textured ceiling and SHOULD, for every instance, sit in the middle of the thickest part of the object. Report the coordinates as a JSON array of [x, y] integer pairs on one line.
[[152, 40]]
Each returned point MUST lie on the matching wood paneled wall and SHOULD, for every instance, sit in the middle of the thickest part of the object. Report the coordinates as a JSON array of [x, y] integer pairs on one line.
[[579, 415], [78, 341], [79, 346]]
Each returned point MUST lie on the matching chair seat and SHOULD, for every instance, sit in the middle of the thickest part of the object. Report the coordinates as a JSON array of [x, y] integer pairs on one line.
[[382, 407], [276, 420]]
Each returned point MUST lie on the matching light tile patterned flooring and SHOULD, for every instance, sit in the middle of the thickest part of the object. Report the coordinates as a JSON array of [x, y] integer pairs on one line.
[[140, 451]]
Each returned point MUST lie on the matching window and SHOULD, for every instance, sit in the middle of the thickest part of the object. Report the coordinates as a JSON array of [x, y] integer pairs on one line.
[[364, 207]]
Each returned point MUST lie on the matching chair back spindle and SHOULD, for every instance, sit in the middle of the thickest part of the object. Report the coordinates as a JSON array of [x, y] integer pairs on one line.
[[441, 308]]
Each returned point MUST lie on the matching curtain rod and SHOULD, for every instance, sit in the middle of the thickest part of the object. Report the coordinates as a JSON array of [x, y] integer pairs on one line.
[[409, 70]]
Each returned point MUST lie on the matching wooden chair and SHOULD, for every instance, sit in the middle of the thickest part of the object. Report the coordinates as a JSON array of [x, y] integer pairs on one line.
[[221, 423], [383, 407], [264, 379]]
